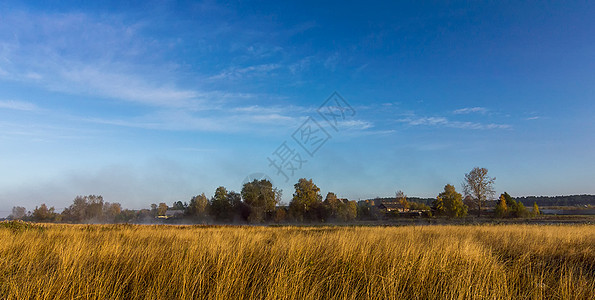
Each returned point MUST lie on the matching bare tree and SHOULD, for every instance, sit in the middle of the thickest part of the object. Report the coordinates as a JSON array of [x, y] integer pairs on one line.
[[479, 186]]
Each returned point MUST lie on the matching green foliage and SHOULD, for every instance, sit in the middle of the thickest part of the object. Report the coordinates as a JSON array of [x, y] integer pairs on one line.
[[418, 206], [402, 199], [162, 209], [198, 207], [438, 206], [514, 209], [240, 209], [126, 216], [261, 199], [153, 210], [450, 203], [332, 205], [280, 215], [570, 200], [221, 207], [179, 205], [535, 209], [44, 214], [501, 210], [235, 199], [511, 203], [347, 211], [84, 209], [306, 202], [337, 209], [521, 211], [111, 211], [19, 226]]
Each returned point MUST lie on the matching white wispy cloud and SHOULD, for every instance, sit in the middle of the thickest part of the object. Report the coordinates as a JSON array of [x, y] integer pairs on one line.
[[355, 124], [274, 109], [92, 56], [426, 121], [126, 87], [107, 57], [445, 122], [301, 65], [17, 105], [469, 110], [212, 121], [250, 71], [332, 61]]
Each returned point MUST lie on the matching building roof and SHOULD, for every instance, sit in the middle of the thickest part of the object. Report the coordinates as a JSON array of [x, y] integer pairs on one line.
[[391, 205]]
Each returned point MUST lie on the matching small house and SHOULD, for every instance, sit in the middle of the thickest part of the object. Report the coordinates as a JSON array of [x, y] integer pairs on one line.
[[392, 206], [171, 213]]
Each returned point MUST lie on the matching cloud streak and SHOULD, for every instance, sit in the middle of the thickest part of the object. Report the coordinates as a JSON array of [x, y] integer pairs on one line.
[[250, 71], [444, 122], [470, 110], [102, 57], [18, 105]]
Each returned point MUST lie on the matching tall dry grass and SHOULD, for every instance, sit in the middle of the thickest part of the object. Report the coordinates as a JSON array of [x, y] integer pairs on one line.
[[186, 262]]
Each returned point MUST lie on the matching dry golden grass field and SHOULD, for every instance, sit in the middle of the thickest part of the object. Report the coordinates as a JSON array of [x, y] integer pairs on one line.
[[190, 262]]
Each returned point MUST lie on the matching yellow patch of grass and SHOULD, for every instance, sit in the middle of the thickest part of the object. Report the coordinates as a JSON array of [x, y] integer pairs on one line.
[[192, 262]]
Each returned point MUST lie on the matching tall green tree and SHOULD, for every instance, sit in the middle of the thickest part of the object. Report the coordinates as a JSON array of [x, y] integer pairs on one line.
[[111, 211], [153, 210], [261, 198], [306, 200], [234, 198], [515, 208], [332, 205], [221, 208], [198, 207], [450, 203], [347, 211], [479, 186], [84, 209], [502, 208], [438, 206], [240, 209], [511, 203], [43, 214]]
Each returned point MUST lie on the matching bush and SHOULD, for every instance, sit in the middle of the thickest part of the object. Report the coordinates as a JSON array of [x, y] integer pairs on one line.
[[19, 226]]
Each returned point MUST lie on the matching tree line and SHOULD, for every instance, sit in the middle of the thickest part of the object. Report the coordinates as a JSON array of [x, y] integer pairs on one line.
[[573, 200], [260, 202]]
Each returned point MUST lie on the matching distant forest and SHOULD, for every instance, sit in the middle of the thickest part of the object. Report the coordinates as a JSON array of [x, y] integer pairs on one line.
[[573, 200], [542, 201]]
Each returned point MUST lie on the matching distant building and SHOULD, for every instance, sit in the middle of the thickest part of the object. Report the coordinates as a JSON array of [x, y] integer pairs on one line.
[[392, 206], [172, 213]]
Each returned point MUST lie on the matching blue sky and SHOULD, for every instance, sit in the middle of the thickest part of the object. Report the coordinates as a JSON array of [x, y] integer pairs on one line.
[[157, 101]]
